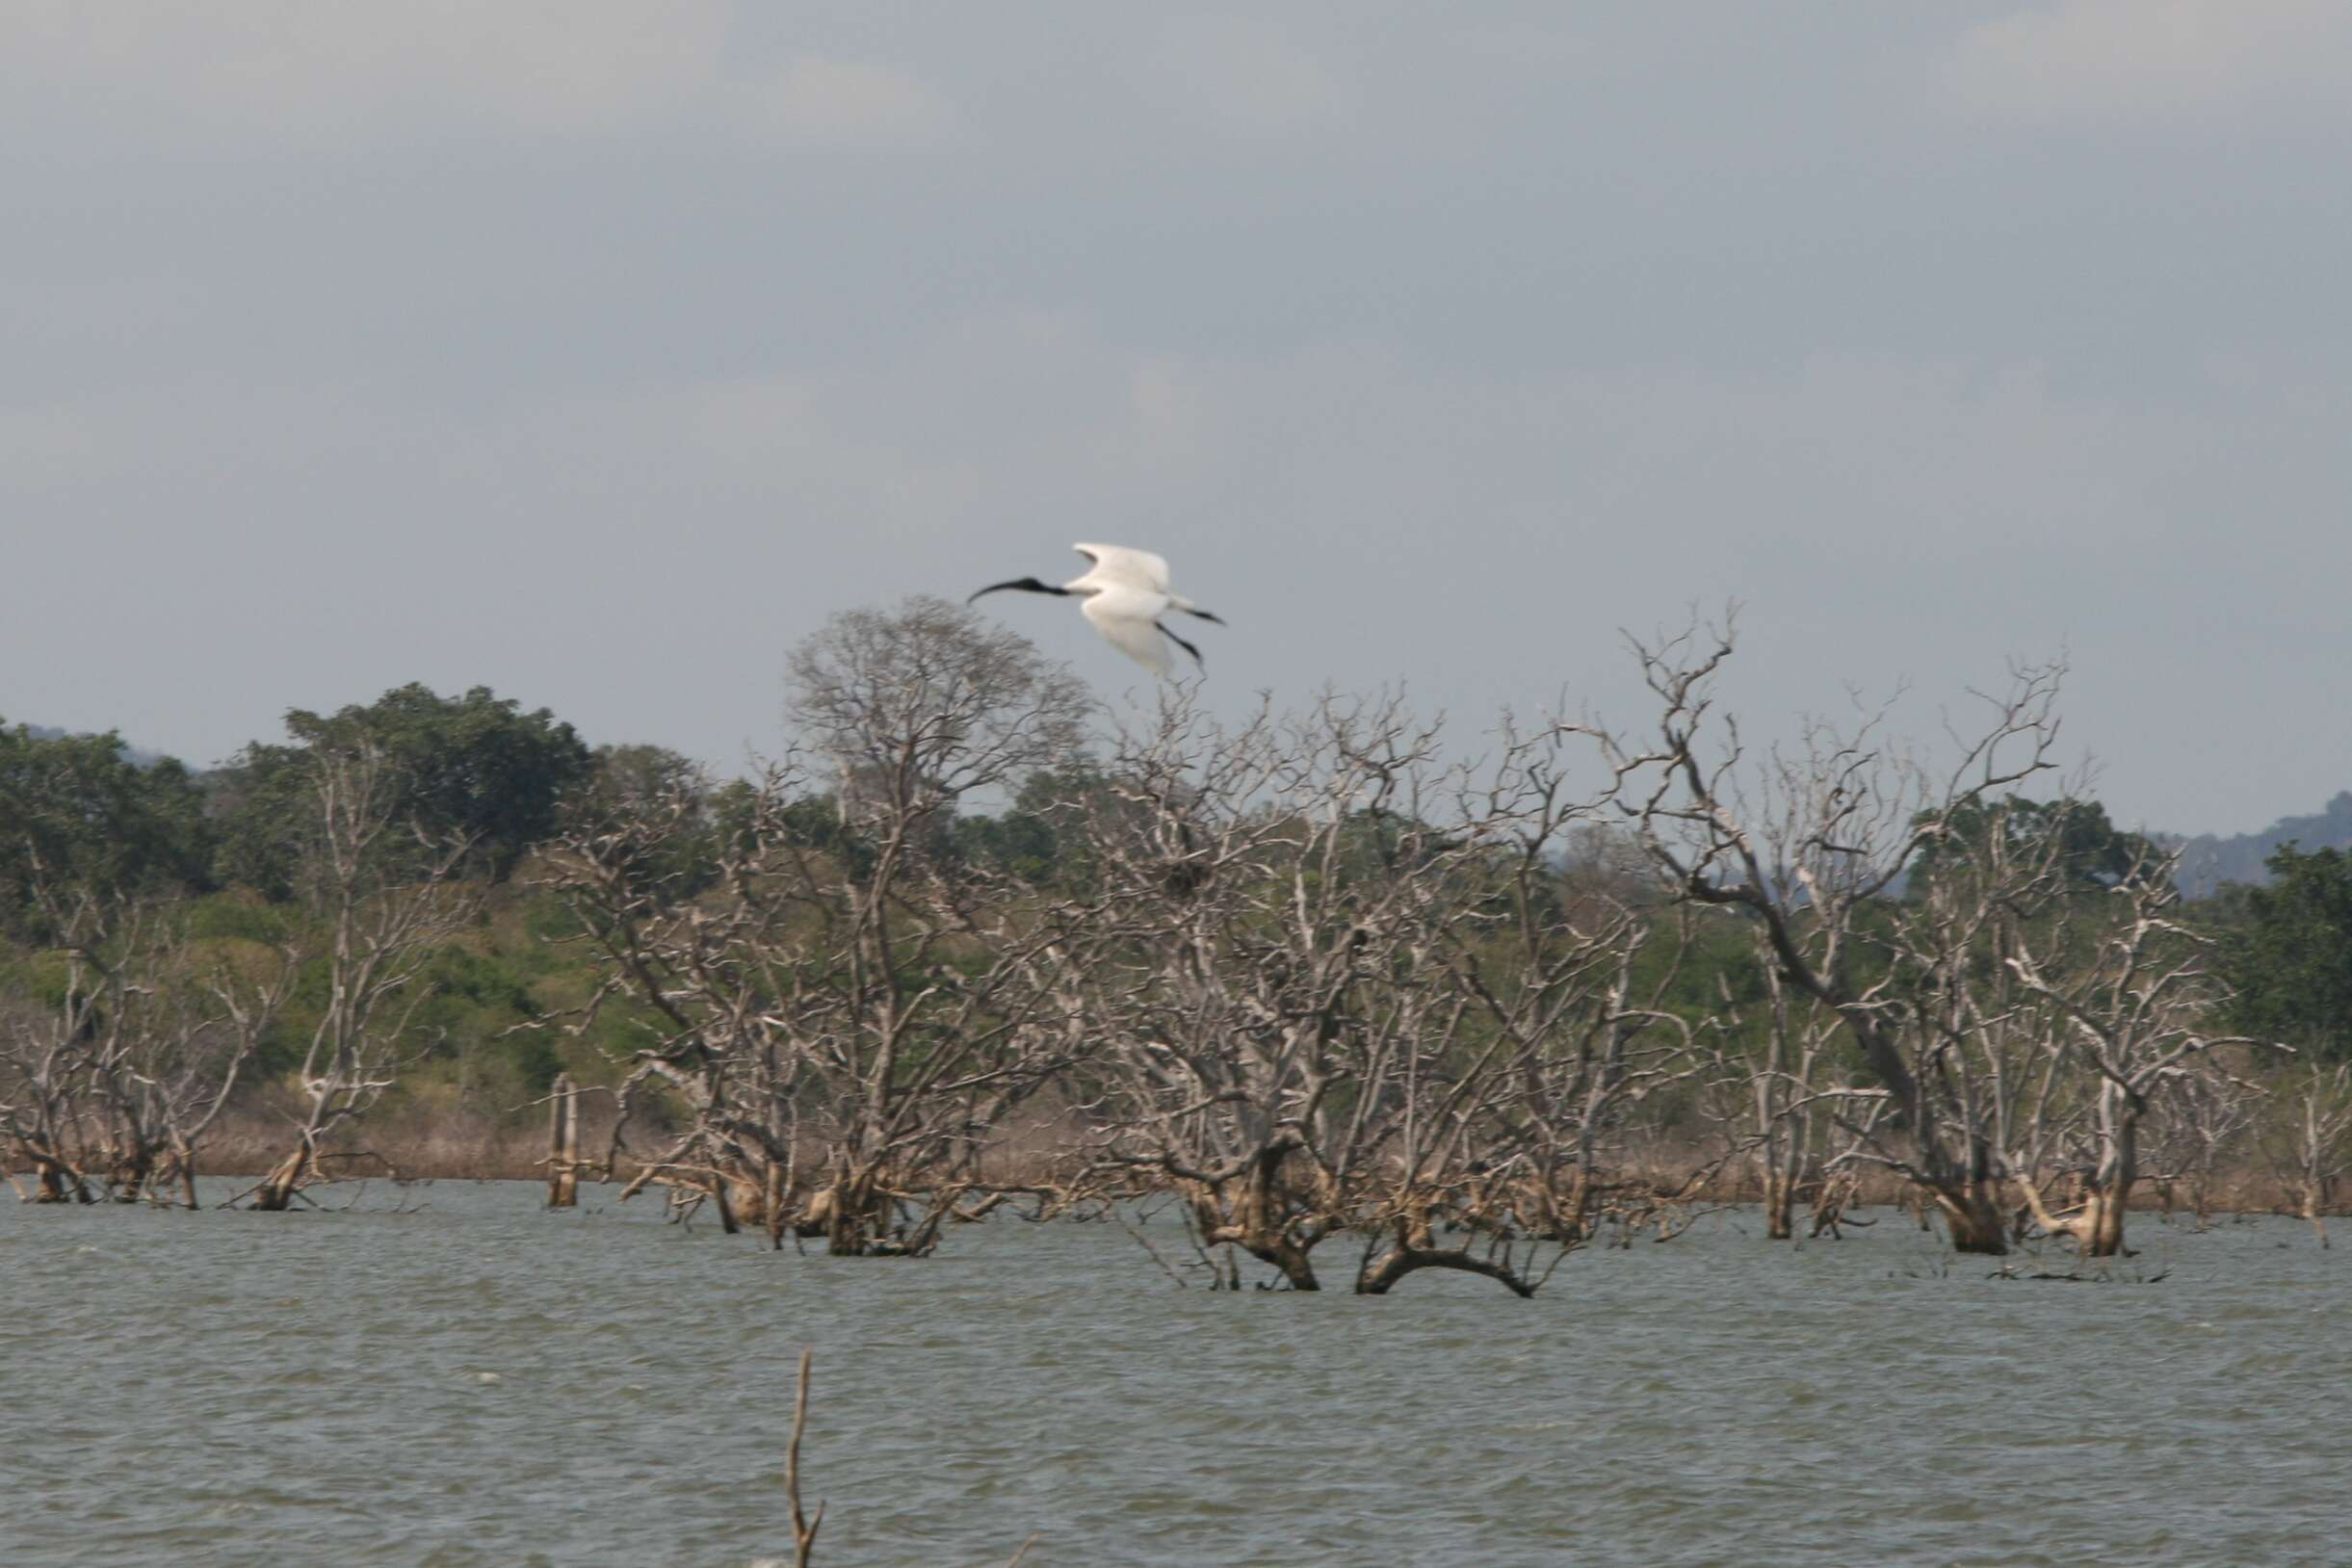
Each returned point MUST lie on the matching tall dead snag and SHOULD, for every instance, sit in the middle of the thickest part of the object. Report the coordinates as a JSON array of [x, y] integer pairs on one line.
[[2114, 993], [2309, 1142], [384, 897], [1566, 978], [1306, 1013], [645, 869], [804, 1525], [837, 999], [911, 1035], [1811, 846], [1770, 1058], [564, 1143], [2202, 1122], [1215, 968]]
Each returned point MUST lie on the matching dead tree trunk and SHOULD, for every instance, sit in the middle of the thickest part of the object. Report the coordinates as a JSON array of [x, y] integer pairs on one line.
[[563, 1145], [1410, 1248], [1972, 1219], [1261, 1211], [2312, 1148], [275, 1193]]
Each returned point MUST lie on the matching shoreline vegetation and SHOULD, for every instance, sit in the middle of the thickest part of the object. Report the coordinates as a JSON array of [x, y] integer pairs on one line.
[[1360, 996], [482, 1147]]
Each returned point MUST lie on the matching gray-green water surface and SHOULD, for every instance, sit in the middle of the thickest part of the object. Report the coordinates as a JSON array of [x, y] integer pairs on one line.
[[478, 1382]]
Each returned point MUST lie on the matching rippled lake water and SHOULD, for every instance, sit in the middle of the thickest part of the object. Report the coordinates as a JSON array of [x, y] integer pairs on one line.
[[480, 1382]]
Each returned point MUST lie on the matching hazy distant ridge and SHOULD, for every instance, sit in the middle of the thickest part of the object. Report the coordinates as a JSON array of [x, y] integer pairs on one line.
[[2207, 861]]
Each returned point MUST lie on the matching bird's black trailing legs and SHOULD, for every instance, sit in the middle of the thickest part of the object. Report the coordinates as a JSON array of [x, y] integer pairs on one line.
[[1187, 646]]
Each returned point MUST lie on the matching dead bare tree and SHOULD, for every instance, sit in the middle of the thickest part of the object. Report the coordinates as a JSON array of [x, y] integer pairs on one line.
[[1770, 1058], [2195, 1128], [1809, 845], [2309, 1140], [43, 1082], [384, 897], [841, 1008], [1559, 1047], [1590, 1046], [57, 1062], [805, 1525], [2117, 994], [115, 1085], [1323, 969], [161, 1083]]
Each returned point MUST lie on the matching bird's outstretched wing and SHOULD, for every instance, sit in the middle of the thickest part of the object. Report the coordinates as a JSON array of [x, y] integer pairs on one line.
[[1129, 620], [1116, 564]]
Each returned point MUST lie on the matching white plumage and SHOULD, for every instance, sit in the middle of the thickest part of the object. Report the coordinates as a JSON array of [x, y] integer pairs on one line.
[[1115, 564], [1125, 591], [1129, 619]]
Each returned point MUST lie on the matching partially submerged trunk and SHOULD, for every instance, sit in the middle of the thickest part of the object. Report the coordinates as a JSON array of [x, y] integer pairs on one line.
[[2100, 1227], [1264, 1214], [1971, 1218], [1411, 1247], [128, 1172], [1287, 1256], [563, 1145], [276, 1191], [2313, 1208], [1549, 1208], [60, 1183], [1831, 1195], [2094, 1221], [857, 1213], [56, 1179], [1780, 1206]]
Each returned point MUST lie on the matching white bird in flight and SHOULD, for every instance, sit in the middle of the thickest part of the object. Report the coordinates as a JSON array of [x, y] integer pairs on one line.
[[1125, 593]]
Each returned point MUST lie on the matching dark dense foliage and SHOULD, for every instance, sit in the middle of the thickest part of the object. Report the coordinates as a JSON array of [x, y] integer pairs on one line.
[[2290, 951], [76, 813], [473, 766]]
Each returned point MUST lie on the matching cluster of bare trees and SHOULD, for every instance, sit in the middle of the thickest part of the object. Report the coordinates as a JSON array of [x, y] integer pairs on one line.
[[110, 1082], [1317, 977], [1306, 975], [1325, 983], [109, 1087], [1951, 996], [1308, 983]]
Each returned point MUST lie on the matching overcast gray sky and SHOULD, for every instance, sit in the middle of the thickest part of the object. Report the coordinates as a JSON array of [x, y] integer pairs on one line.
[[596, 350]]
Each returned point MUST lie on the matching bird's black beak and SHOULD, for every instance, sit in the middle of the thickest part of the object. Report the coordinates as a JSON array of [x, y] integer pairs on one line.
[[1026, 585]]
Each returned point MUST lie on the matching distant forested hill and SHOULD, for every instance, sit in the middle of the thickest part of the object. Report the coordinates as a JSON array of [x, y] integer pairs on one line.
[[2207, 861]]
